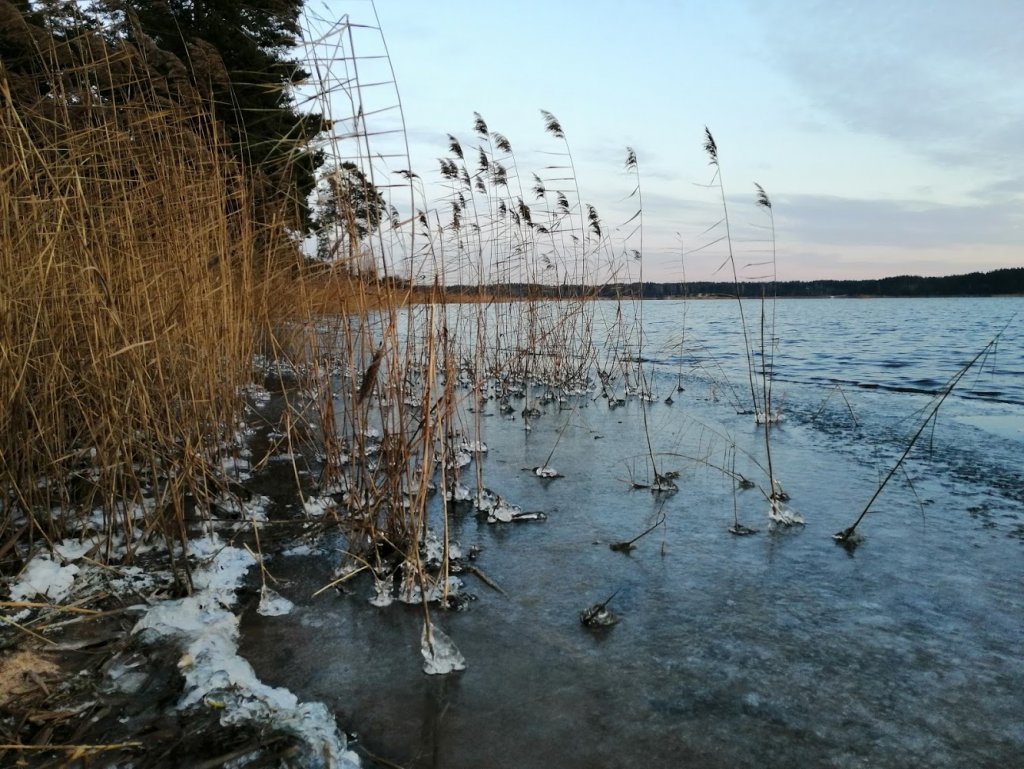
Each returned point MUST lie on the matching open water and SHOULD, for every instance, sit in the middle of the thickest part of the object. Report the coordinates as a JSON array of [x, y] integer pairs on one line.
[[780, 649]]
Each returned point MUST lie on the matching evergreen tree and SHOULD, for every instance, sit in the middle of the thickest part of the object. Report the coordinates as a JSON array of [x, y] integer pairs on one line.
[[350, 209], [238, 54]]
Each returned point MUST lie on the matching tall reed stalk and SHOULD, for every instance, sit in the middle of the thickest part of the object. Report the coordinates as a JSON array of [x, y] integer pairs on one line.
[[767, 416], [712, 152]]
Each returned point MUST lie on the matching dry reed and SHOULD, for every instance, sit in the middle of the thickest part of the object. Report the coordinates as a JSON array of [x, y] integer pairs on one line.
[[133, 287]]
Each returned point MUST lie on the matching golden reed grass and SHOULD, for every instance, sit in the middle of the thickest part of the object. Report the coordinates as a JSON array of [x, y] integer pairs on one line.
[[133, 284]]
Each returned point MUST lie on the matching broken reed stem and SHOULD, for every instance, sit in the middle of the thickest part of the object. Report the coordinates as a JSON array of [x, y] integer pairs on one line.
[[84, 748], [846, 534], [626, 546], [25, 630], [53, 607]]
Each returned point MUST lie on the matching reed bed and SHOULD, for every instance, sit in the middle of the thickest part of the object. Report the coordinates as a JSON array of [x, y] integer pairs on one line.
[[142, 280], [146, 289], [134, 278], [150, 292]]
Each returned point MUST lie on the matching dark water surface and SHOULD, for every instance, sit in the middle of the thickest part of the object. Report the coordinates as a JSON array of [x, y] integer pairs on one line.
[[776, 650]]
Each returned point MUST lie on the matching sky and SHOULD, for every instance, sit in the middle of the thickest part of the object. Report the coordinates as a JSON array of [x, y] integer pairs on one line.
[[888, 135]]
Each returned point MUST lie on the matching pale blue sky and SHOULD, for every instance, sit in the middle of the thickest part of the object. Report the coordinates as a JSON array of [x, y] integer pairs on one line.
[[889, 135]]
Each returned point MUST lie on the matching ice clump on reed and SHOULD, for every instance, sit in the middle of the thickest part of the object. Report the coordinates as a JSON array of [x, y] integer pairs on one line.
[[273, 604], [664, 483], [383, 591], [440, 655], [781, 515], [317, 507], [503, 512], [459, 493], [768, 418], [410, 591]]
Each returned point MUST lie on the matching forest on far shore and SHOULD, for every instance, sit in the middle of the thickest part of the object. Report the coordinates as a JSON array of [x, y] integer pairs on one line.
[[1004, 282]]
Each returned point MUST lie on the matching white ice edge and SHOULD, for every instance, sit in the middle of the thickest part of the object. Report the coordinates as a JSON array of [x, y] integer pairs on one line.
[[214, 672]]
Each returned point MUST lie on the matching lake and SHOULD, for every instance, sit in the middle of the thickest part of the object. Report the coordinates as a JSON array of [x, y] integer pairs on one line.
[[781, 649]]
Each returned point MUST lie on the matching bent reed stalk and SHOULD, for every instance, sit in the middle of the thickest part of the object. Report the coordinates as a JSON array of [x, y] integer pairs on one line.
[[849, 536]]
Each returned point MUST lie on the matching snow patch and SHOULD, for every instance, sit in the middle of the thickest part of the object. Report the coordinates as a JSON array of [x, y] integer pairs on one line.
[[46, 578], [302, 549], [252, 510], [214, 672], [71, 551]]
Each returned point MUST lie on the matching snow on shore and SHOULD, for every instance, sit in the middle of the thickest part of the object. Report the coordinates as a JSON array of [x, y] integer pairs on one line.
[[206, 629], [218, 677]]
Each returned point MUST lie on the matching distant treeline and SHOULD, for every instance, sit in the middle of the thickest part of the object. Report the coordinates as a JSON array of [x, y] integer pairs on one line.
[[994, 283]]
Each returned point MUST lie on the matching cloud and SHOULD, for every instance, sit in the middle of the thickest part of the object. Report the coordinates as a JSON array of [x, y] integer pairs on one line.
[[903, 223], [1005, 190], [822, 236], [942, 81]]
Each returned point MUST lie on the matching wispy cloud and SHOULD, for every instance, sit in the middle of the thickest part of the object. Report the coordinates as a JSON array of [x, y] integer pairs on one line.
[[943, 81], [908, 224]]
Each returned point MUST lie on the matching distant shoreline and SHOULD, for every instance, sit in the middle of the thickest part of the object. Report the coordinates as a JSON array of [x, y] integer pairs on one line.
[[457, 295], [1002, 282], [997, 283]]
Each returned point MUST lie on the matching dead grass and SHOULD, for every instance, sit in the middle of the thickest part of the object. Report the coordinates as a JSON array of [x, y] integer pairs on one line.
[[133, 282], [25, 672]]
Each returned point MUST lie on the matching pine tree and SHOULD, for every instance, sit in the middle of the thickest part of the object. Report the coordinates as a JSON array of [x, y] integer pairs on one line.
[[350, 209], [239, 55]]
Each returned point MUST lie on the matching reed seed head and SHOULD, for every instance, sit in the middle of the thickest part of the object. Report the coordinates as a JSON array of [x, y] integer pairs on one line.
[[551, 125], [501, 142], [710, 147], [479, 125], [454, 147]]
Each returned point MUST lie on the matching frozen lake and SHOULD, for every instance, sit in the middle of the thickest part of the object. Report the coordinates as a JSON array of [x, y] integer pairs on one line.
[[775, 650]]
